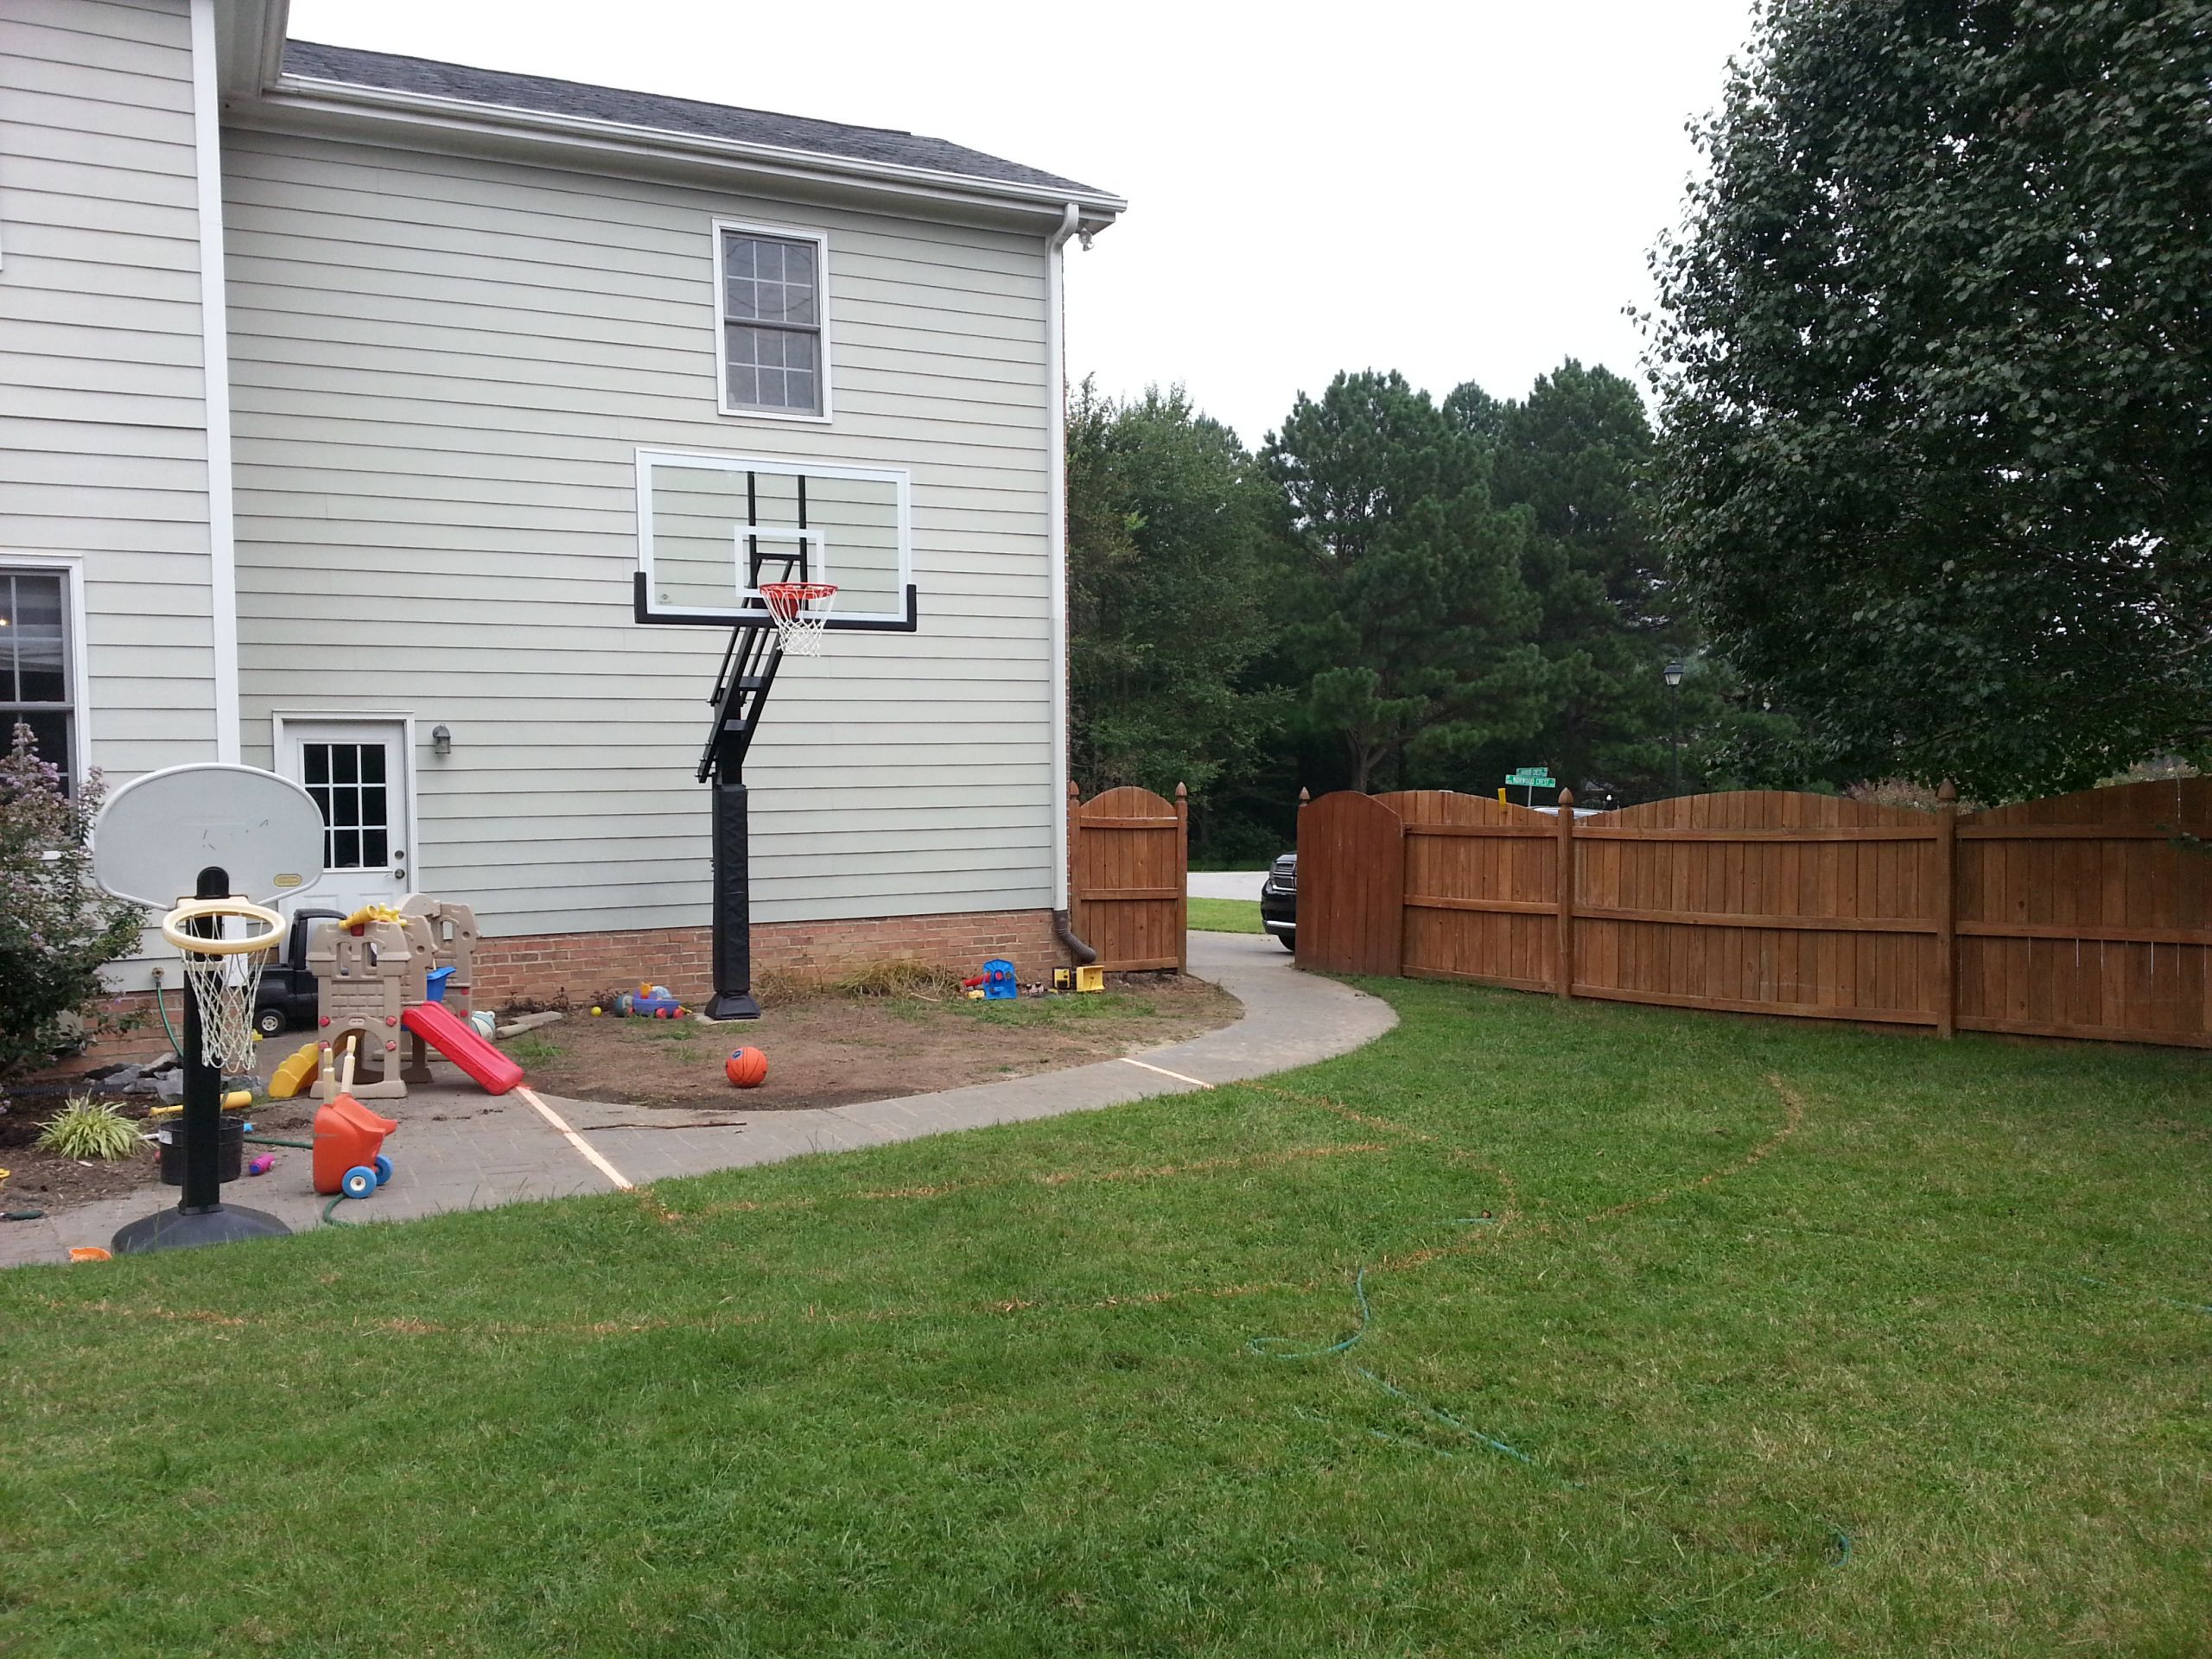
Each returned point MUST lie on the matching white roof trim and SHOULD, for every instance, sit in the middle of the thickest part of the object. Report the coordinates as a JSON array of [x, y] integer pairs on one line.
[[308, 95]]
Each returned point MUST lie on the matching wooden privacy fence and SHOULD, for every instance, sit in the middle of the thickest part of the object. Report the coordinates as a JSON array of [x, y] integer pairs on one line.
[[1128, 880], [2085, 915]]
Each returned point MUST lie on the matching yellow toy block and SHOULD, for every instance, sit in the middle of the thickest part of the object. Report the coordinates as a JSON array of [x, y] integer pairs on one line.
[[293, 1076]]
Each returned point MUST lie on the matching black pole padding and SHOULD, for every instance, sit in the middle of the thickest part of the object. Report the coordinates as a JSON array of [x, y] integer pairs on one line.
[[202, 1125], [732, 998]]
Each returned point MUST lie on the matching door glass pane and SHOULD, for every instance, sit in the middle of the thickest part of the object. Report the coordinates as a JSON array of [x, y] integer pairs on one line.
[[372, 811], [372, 763], [374, 844], [317, 763], [345, 763], [344, 850]]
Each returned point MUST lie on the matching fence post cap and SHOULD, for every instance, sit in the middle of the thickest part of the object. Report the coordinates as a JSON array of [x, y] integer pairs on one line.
[[1565, 797], [1075, 792], [1304, 796], [1182, 791], [1947, 791]]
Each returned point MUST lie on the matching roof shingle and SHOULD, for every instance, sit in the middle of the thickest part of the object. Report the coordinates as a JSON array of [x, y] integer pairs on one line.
[[650, 110]]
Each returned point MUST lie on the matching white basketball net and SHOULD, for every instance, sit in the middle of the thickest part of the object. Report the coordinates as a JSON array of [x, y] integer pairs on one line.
[[224, 987], [800, 611]]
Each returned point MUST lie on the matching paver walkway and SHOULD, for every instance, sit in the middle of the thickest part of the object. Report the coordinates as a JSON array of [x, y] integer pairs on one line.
[[458, 1148]]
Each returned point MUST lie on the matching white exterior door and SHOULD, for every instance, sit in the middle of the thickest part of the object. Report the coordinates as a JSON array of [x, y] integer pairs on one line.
[[357, 771]]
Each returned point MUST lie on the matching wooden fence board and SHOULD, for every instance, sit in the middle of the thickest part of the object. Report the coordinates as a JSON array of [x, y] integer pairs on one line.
[[1128, 880], [2087, 915], [1351, 886]]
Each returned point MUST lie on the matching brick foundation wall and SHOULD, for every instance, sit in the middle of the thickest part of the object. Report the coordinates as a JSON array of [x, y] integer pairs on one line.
[[553, 966]]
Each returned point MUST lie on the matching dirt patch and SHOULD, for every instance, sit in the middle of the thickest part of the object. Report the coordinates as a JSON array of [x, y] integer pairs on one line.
[[833, 1050], [45, 1180]]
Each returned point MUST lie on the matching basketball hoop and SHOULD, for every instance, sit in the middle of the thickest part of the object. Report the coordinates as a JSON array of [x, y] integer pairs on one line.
[[800, 611], [224, 974]]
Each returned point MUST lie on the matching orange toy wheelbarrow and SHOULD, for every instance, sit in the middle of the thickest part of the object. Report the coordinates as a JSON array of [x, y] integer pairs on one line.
[[349, 1144]]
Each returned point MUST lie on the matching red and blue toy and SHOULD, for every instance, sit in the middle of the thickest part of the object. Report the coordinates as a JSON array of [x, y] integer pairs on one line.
[[996, 981]]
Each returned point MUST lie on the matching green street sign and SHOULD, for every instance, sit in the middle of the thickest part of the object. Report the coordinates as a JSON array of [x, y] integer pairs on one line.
[[1529, 778]]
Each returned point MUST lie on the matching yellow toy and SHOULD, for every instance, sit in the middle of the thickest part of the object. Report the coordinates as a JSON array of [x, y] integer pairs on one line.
[[292, 1076]]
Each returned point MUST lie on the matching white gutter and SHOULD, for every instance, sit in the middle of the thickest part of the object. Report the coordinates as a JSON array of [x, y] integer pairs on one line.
[[215, 359], [307, 95], [1055, 533]]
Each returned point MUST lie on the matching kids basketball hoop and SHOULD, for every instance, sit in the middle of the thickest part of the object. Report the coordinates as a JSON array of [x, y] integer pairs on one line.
[[800, 611], [207, 848], [224, 973]]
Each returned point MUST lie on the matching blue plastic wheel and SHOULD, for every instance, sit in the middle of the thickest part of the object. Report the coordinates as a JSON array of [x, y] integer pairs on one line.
[[359, 1181], [384, 1169]]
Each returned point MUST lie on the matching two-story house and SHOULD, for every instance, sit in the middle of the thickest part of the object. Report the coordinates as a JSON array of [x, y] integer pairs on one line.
[[341, 395]]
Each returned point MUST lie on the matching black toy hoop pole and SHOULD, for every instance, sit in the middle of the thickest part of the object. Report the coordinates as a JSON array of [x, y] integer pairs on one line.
[[200, 1216]]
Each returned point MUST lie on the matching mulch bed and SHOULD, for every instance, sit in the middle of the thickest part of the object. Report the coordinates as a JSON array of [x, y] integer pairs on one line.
[[45, 1180], [832, 1050]]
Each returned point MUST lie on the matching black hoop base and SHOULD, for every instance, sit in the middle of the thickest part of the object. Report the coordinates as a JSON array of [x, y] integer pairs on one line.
[[182, 1229]]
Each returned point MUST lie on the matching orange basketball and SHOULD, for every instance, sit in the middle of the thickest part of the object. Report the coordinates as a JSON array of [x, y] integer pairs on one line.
[[747, 1068]]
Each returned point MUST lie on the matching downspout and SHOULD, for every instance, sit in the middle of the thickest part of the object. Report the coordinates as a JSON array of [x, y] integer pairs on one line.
[[215, 359], [1056, 543]]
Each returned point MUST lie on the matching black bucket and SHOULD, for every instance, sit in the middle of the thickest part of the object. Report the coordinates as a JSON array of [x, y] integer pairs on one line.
[[230, 1149]]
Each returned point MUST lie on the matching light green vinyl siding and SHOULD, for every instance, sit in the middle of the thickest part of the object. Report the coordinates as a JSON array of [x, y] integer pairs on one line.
[[442, 369], [102, 414]]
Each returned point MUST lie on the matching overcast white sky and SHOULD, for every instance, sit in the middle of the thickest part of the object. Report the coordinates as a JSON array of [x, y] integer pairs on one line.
[[1457, 191]]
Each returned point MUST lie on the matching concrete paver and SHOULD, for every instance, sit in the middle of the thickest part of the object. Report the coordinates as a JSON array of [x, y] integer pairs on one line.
[[456, 1149]]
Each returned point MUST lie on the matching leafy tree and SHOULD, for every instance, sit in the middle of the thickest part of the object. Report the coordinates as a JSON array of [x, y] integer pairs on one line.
[[1577, 454], [1413, 637], [1938, 382], [57, 928], [1171, 527]]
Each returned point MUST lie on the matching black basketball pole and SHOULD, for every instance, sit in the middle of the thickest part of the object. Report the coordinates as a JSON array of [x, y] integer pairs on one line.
[[202, 1126], [732, 998]]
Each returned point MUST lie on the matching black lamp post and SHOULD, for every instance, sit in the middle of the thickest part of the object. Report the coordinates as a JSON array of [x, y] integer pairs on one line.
[[1672, 675]]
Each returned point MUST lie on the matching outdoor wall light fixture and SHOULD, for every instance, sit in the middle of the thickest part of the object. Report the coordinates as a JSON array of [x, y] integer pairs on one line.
[[441, 740]]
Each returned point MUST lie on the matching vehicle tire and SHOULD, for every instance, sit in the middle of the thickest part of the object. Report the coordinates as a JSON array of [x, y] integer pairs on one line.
[[1289, 944], [384, 1169], [270, 1022], [359, 1182]]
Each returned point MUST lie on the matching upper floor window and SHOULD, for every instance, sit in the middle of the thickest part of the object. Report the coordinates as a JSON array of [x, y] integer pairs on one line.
[[775, 356], [34, 678]]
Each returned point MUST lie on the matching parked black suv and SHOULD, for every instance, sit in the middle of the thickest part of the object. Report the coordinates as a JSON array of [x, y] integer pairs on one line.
[[287, 995], [1279, 901]]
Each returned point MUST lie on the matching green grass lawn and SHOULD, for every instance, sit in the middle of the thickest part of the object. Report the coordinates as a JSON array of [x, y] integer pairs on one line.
[[1683, 1335], [1225, 915]]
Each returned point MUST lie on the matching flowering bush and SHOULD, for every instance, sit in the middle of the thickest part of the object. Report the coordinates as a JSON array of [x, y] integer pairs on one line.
[[57, 928]]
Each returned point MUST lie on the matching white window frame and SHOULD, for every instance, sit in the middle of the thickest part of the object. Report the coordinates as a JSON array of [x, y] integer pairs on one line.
[[75, 654], [723, 320]]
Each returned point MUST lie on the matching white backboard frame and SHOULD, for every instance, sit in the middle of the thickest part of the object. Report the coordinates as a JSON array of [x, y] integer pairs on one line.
[[746, 608]]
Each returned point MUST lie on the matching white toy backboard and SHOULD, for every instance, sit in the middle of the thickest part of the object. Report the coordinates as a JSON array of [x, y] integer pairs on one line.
[[158, 833], [711, 528]]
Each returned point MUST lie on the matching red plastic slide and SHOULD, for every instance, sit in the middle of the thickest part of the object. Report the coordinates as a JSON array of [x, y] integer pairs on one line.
[[434, 1024]]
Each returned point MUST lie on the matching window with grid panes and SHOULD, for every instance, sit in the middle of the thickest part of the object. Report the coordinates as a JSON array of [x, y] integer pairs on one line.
[[35, 676], [347, 781], [772, 357]]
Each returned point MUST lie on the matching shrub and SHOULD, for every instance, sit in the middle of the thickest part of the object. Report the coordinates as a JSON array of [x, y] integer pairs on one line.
[[90, 1128], [57, 928]]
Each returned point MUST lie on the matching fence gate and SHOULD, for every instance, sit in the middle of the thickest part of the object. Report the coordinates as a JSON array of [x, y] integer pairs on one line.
[[1351, 880], [1128, 877]]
